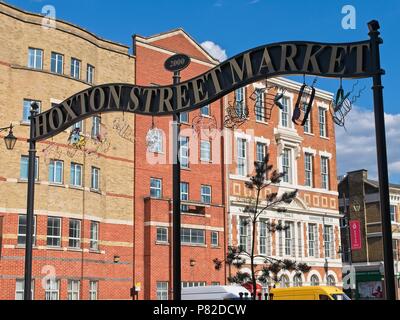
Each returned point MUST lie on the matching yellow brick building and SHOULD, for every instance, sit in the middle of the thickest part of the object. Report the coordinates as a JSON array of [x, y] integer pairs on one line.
[[84, 197]]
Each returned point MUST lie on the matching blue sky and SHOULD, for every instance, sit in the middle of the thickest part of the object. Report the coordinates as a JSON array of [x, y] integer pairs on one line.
[[238, 25]]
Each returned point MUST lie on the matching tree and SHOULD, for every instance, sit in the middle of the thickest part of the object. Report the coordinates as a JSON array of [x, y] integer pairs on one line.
[[263, 178]]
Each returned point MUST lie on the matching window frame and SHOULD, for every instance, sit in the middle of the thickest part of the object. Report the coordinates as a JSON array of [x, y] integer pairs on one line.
[[95, 178], [156, 188], [74, 64], [260, 105], [23, 235], [92, 291], [35, 56], [242, 156], [203, 194], [90, 71], [213, 238], [285, 120], [325, 183], [207, 150], [73, 176], [184, 152], [94, 241], [52, 237], [309, 170], [54, 163], [184, 194], [26, 113], [73, 291], [193, 236], [78, 238], [27, 168], [322, 119], [165, 235], [162, 290], [50, 291], [54, 59]]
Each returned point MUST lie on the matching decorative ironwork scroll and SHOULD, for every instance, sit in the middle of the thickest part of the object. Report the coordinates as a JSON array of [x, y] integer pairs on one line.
[[205, 126], [265, 99], [236, 115]]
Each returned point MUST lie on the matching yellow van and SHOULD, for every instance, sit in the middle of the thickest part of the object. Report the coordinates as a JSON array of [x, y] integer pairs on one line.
[[308, 293]]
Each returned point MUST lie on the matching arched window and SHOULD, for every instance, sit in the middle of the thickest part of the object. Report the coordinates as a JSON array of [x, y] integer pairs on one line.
[[297, 281], [314, 280], [330, 281], [284, 283]]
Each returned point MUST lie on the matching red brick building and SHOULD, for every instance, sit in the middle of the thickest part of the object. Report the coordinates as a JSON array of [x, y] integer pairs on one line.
[[204, 216]]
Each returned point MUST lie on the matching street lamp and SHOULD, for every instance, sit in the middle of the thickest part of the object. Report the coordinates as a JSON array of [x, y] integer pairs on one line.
[[9, 139]]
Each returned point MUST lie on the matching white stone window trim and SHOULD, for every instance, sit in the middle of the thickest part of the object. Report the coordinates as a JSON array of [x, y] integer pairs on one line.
[[310, 151], [325, 154]]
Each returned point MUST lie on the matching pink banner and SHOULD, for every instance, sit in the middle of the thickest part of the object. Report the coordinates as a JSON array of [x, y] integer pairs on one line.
[[355, 234]]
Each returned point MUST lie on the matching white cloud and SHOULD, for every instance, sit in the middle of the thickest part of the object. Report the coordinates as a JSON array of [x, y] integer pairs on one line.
[[214, 50], [356, 146]]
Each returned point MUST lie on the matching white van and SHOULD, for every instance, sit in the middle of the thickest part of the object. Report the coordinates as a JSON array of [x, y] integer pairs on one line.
[[213, 293]]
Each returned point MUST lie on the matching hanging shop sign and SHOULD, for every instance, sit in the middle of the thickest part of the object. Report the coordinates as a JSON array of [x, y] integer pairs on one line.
[[355, 234], [348, 60]]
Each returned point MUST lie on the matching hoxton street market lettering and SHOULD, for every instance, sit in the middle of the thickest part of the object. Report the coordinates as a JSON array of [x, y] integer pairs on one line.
[[351, 60]]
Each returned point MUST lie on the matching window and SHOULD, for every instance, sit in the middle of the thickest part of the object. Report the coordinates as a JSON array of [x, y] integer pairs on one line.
[[20, 289], [287, 165], [35, 58], [312, 238], [205, 151], [74, 240], [94, 235], [215, 283], [184, 152], [90, 73], [260, 152], [325, 173], [393, 213], [289, 241], [285, 112], [76, 175], [265, 248], [240, 103], [57, 63], [242, 157], [95, 178], [157, 141], [162, 234], [314, 280], [184, 195], [328, 241], [205, 111], [53, 232], [155, 188], [330, 281], [191, 284], [244, 232], [56, 174], [96, 124], [322, 122], [284, 282], [206, 194], [308, 124], [78, 125], [297, 281], [184, 117], [75, 68], [93, 290], [308, 170], [26, 112], [214, 238], [52, 290], [259, 108], [22, 230], [192, 236], [162, 290], [24, 165], [73, 289]]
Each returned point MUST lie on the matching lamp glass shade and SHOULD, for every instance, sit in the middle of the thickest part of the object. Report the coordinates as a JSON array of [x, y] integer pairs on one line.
[[10, 141]]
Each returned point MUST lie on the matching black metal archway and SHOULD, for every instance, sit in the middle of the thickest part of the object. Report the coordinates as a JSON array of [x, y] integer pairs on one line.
[[343, 60]]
